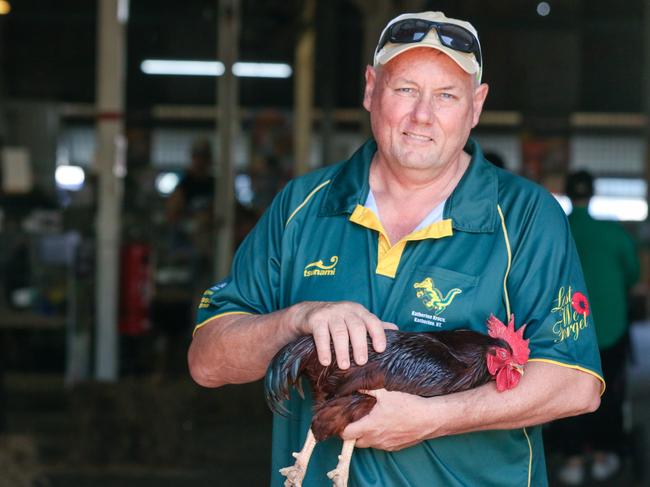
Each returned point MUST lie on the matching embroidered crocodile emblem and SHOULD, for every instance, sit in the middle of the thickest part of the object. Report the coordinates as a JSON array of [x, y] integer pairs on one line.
[[432, 298]]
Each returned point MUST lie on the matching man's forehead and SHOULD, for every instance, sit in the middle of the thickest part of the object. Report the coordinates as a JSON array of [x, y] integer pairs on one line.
[[414, 59]]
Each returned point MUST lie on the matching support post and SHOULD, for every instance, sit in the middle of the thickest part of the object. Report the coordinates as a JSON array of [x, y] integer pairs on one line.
[[111, 168], [375, 15], [327, 74], [228, 130], [304, 89]]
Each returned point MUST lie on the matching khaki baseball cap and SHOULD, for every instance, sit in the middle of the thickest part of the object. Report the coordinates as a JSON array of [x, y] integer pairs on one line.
[[466, 60]]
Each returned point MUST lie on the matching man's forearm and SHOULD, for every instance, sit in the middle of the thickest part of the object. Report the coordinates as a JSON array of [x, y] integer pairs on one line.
[[236, 349], [545, 393]]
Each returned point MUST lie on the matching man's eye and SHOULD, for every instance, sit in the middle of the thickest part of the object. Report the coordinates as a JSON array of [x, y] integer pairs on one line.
[[407, 91], [446, 96]]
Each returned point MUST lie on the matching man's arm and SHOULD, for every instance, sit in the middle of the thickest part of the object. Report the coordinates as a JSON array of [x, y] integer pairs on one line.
[[234, 349], [545, 393]]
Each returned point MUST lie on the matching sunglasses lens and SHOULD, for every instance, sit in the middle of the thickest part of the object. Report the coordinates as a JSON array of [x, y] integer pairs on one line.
[[409, 31], [456, 37]]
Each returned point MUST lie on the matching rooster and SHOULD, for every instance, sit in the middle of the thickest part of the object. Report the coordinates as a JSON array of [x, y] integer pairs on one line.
[[426, 364]]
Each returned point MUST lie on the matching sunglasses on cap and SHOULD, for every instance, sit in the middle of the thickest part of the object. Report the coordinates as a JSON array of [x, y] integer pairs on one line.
[[454, 36]]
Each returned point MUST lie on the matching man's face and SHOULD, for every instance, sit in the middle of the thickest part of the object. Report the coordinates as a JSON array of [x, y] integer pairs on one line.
[[422, 107]]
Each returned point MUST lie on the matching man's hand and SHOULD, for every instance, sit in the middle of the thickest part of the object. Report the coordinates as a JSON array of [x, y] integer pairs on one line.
[[344, 323], [397, 421]]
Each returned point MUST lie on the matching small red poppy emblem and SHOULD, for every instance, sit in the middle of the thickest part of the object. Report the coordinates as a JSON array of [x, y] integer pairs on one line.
[[580, 303]]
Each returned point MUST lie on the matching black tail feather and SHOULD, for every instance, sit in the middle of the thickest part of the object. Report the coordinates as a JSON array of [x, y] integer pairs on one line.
[[284, 372]]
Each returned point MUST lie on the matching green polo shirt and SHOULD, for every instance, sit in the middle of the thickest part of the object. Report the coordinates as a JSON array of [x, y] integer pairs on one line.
[[502, 246], [611, 266]]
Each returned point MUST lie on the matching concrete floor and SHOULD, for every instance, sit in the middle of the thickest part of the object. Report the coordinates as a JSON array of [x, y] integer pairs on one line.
[[168, 433]]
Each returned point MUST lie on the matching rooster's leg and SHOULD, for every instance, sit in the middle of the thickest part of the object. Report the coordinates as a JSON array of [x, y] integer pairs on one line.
[[296, 473], [340, 474]]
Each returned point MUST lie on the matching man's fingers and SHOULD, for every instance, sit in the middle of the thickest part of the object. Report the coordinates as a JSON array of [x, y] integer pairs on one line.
[[322, 340], [389, 326], [341, 341], [358, 340], [345, 324], [368, 392], [377, 334]]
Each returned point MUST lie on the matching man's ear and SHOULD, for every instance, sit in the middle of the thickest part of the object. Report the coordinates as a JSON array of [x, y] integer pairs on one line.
[[480, 94], [371, 79]]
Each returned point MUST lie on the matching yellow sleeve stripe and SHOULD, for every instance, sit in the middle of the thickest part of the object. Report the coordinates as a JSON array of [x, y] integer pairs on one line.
[[300, 207], [570, 366], [202, 324], [530, 456], [505, 278]]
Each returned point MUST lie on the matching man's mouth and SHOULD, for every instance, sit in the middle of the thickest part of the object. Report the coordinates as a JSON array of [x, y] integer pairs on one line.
[[423, 138]]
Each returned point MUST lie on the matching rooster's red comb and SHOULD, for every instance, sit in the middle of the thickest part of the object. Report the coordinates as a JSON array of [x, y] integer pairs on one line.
[[514, 338]]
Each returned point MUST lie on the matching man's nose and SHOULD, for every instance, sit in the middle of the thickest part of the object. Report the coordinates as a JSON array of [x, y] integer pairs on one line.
[[424, 110]]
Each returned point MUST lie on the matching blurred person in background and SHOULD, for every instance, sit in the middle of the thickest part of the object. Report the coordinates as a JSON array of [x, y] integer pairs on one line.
[[266, 180], [195, 191], [185, 260], [190, 211], [611, 267]]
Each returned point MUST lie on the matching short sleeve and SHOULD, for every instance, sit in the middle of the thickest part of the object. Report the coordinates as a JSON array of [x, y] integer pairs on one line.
[[548, 292], [253, 284]]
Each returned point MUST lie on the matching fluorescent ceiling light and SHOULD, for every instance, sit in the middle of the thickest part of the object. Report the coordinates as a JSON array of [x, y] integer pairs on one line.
[[262, 70], [182, 68], [70, 177], [215, 68]]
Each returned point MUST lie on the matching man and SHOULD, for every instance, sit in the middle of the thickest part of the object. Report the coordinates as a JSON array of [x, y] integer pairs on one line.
[[611, 268], [195, 191], [339, 251], [189, 245]]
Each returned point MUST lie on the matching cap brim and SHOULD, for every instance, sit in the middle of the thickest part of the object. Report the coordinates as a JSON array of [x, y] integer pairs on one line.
[[466, 61]]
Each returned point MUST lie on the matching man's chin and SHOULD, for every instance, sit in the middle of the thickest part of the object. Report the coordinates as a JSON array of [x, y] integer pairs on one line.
[[418, 161]]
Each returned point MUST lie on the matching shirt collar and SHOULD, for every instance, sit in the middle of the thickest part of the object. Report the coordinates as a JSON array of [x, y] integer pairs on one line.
[[471, 206]]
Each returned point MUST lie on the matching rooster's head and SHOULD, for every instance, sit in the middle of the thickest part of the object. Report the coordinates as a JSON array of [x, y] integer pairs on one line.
[[506, 364]]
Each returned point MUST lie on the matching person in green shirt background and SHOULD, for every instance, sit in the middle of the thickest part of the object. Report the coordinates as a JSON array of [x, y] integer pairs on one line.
[[611, 267]]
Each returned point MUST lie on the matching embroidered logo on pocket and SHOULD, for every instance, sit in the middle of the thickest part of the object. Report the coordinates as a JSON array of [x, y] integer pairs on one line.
[[432, 298]]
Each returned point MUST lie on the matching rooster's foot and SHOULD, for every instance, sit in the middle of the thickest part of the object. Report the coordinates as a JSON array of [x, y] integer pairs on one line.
[[294, 474], [339, 477]]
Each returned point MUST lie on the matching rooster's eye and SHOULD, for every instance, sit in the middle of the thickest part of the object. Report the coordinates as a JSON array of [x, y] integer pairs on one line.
[[502, 354]]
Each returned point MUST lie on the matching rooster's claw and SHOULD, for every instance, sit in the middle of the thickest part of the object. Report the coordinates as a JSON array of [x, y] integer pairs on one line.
[[294, 475]]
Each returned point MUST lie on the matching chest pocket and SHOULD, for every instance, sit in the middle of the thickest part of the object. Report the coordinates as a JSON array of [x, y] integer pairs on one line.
[[438, 298]]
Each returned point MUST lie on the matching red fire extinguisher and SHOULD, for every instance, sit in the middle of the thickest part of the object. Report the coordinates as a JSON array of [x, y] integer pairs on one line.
[[136, 289]]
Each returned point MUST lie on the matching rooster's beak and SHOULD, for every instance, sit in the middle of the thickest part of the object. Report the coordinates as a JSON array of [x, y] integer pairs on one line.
[[518, 368]]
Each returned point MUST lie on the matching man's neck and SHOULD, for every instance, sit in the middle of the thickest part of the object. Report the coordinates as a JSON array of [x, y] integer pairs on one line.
[[389, 183], [405, 198]]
